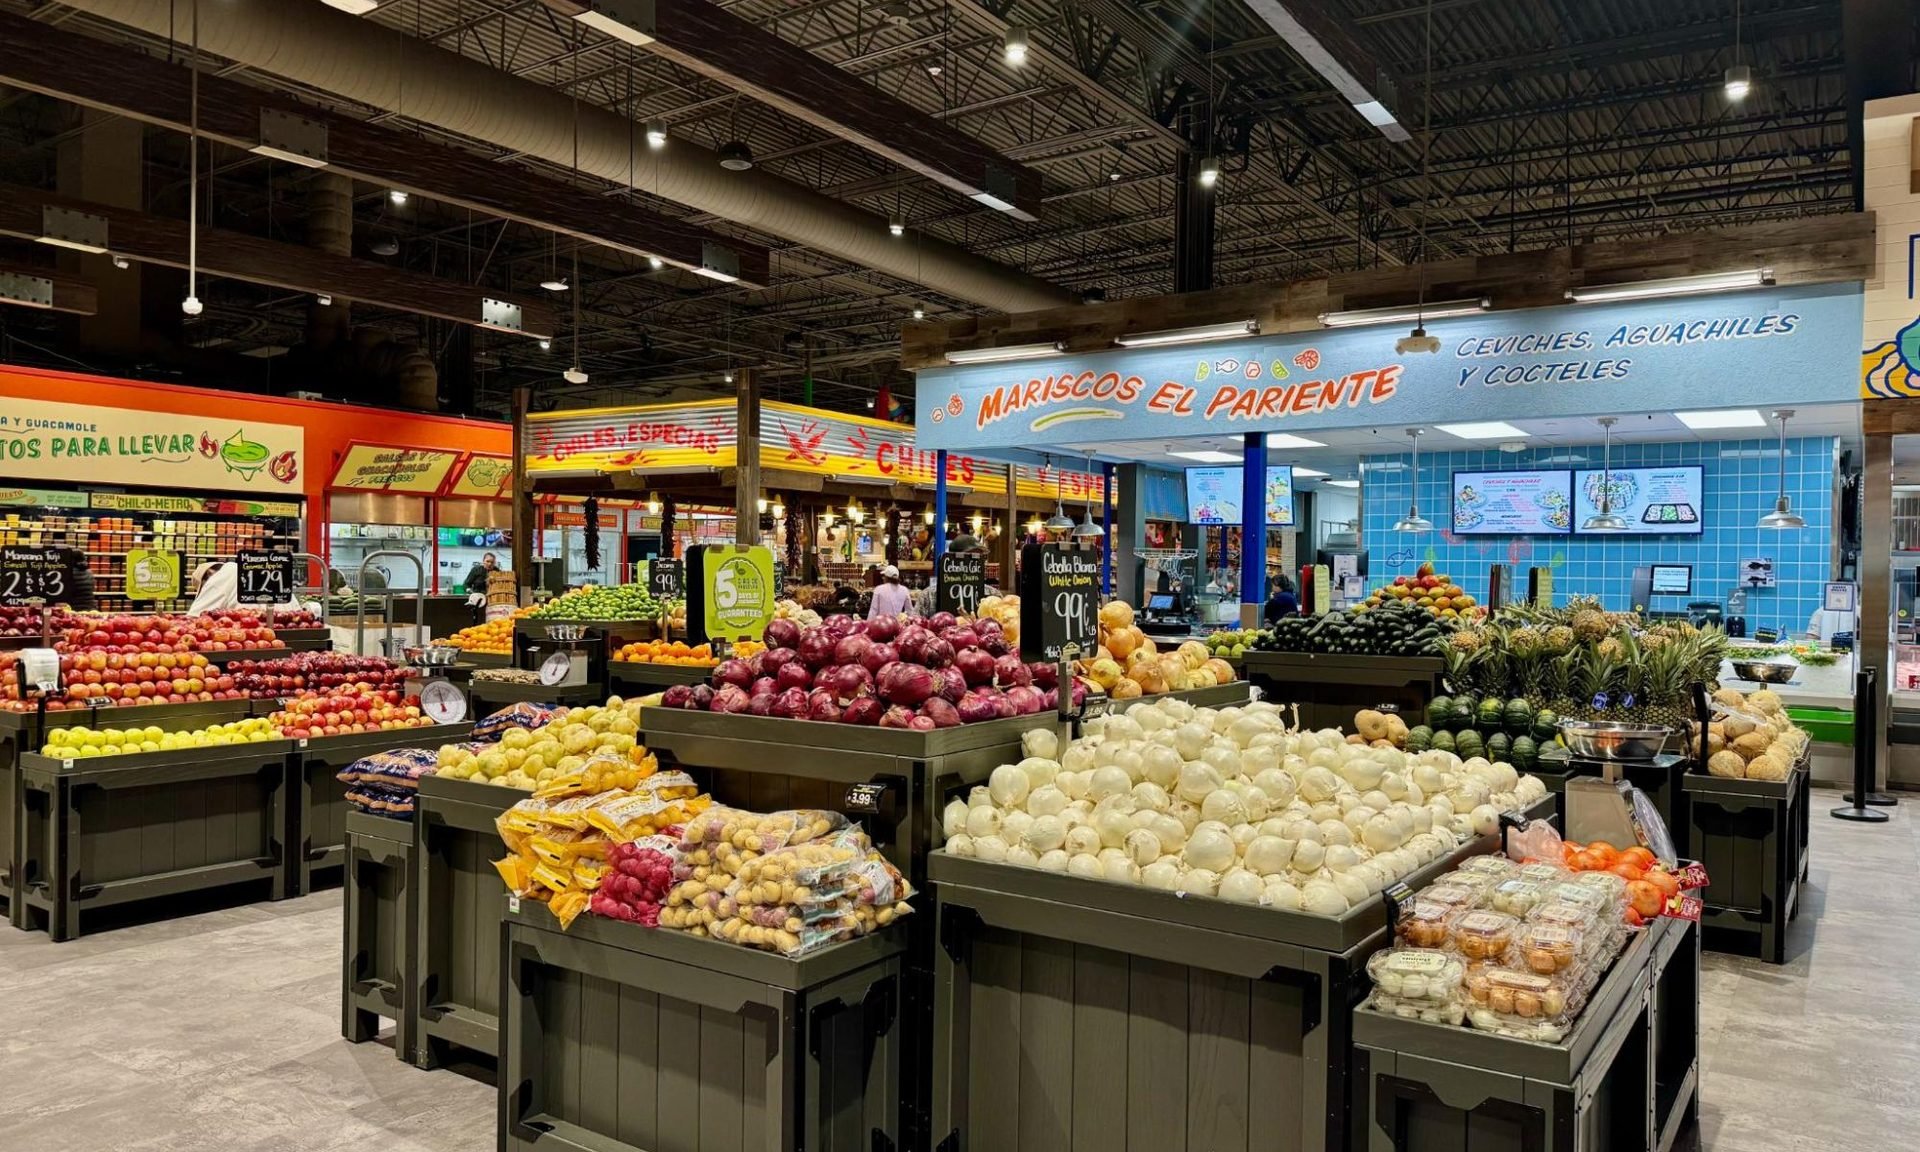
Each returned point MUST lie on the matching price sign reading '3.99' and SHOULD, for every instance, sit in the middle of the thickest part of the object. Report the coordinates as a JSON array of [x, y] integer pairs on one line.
[[30, 574], [1059, 600]]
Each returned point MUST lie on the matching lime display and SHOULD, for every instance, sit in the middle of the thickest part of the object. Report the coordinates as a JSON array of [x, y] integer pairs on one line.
[[618, 602]]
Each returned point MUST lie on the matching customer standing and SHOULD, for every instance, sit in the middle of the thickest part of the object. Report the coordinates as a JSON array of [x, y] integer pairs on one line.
[[889, 597]]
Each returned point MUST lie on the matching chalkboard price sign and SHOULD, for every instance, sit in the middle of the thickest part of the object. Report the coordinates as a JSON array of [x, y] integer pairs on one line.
[[29, 574], [666, 579], [265, 577], [1059, 600], [779, 577], [961, 583]]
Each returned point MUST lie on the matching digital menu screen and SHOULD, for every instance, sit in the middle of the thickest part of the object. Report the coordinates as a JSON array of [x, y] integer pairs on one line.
[[1527, 503], [1650, 500], [1213, 495]]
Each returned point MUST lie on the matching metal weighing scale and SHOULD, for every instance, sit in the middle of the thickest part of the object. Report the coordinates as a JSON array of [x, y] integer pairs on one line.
[[441, 699], [565, 658]]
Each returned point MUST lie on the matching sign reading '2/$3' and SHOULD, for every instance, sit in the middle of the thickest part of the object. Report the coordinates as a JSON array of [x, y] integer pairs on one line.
[[84, 443], [1748, 349]]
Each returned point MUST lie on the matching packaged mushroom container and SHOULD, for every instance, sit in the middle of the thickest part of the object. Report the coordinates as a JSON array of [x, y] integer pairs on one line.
[[1544, 873], [1484, 935], [1517, 897], [1548, 948], [1525, 1005], [1427, 924], [1496, 866], [1418, 983]]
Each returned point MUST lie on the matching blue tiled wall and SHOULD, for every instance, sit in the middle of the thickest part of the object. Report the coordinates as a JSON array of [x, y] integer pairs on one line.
[[1740, 486]]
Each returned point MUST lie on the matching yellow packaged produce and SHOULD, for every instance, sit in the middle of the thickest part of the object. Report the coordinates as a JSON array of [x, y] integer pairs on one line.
[[556, 880], [567, 907], [644, 813], [516, 872], [562, 847], [587, 874]]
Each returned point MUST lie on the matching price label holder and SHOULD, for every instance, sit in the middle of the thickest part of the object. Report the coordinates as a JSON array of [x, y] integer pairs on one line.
[[960, 583], [730, 592], [666, 579], [30, 574], [442, 702], [1397, 897], [266, 577], [1059, 600], [876, 799]]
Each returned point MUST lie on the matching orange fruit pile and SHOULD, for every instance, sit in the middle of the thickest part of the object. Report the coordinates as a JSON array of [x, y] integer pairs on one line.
[[667, 652]]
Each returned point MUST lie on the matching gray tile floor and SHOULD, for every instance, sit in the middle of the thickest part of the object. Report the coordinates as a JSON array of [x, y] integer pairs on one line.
[[220, 1032]]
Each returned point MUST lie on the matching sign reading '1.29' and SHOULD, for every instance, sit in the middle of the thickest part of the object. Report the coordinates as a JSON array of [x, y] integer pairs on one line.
[[264, 577], [1059, 600]]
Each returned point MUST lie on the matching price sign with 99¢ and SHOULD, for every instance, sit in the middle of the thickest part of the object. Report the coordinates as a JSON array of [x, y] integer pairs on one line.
[[1059, 600], [29, 574], [666, 579], [961, 583]]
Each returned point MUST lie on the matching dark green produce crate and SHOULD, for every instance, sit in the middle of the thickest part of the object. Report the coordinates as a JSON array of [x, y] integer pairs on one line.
[[1625, 1079], [490, 696], [622, 1038], [1330, 688], [317, 836], [108, 831], [458, 901], [645, 677], [19, 732], [1751, 835], [376, 977]]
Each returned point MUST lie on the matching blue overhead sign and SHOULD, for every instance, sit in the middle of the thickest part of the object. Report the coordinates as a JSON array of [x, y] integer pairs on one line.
[[1796, 345]]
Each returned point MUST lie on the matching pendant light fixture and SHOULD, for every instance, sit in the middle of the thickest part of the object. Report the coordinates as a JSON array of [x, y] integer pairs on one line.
[[191, 306], [1413, 521], [575, 374], [1783, 515], [1059, 524], [1088, 529], [1417, 341], [1605, 520]]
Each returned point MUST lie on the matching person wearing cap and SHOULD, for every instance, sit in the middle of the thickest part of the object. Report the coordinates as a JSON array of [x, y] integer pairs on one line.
[[889, 596]]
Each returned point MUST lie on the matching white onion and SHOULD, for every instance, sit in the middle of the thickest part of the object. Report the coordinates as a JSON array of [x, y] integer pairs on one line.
[[1210, 847], [1087, 865], [1128, 760], [1363, 773], [1268, 855], [1074, 784], [1308, 856], [1377, 800], [1047, 801], [1324, 811], [1486, 820], [1054, 861], [1322, 898], [1352, 889], [1014, 825], [1190, 740], [1007, 785], [1120, 871], [1258, 806], [1046, 833], [1160, 874], [1083, 839], [1147, 794], [1161, 764], [1188, 814], [1334, 832], [1242, 886], [1318, 785], [1198, 780], [1109, 781], [1041, 742], [983, 821], [1243, 835], [1111, 827], [1141, 846], [1022, 856], [1380, 834], [1198, 882], [1339, 858], [1225, 807], [1280, 893], [959, 844], [1394, 785], [1078, 757], [953, 818]]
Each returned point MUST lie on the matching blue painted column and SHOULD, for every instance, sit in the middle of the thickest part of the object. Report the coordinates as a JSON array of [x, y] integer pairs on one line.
[[1253, 529], [939, 504], [1106, 525]]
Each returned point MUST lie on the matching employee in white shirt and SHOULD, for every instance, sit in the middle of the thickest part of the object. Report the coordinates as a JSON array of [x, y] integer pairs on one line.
[[889, 596]]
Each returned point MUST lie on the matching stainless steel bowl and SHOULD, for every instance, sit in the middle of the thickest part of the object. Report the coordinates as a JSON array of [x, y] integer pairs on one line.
[[1599, 740], [432, 656], [566, 633], [1775, 670]]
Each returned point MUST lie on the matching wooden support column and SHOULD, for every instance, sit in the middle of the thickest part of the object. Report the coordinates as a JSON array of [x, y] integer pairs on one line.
[[1010, 539], [523, 522], [746, 469]]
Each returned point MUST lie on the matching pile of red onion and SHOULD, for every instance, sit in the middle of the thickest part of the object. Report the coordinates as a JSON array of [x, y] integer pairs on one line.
[[901, 672]]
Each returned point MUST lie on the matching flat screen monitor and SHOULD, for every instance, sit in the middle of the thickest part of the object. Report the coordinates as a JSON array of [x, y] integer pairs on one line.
[[1160, 602], [1651, 500], [1213, 495], [1673, 579], [1534, 502]]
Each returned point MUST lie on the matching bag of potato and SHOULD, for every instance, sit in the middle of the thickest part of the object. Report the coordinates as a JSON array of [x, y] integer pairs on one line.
[[760, 832], [645, 812]]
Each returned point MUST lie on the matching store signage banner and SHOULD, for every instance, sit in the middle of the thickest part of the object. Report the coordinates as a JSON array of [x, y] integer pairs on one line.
[[1795, 345], [41, 498], [82, 443], [132, 502], [378, 468], [484, 478]]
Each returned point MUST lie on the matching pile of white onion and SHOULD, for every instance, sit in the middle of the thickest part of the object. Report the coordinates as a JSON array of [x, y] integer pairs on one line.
[[1232, 803]]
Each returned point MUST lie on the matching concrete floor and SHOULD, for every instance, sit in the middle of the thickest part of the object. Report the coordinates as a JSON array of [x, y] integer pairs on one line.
[[221, 1032]]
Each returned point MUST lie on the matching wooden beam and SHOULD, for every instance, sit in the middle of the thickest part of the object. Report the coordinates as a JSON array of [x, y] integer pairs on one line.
[[1913, 158], [66, 65], [746, 475], [159, 240], [67, 293], [1812, 250], [705, 38]]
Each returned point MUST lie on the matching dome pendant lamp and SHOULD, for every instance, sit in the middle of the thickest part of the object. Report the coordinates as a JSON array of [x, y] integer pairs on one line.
[[1605, 520], [1413, 521], [1783, 515]]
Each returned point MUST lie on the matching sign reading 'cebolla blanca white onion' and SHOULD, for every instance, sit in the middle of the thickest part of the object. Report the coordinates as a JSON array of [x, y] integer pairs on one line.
[[1232, 803]]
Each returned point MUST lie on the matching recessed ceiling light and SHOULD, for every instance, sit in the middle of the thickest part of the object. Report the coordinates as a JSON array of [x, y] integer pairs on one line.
[[1208, 456], [1344, 483], [396, 197], [1729, 418], [1289, 440], [554, 283], [1300, 473], [354, 7], [1485, 430]]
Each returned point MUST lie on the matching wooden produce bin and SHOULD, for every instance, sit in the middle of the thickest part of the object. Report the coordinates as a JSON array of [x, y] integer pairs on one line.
[[622, 1038], [317, 835], [105, 831], [458, 901], [643, 677], [1330, 688], [490, 696], [1752, 837], [1625, 1079], [376, 978], [1229, 1022]]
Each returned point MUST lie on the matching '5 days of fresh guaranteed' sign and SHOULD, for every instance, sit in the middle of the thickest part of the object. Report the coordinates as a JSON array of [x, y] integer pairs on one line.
[[43, 440], [732, 596]]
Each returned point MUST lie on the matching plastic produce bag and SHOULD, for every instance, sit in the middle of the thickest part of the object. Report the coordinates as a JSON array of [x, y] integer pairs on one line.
[[522, 715], [1539, 840], [760, 832], [398, 769]]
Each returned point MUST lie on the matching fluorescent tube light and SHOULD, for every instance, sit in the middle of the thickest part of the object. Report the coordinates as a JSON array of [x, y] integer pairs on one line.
[[1344, 483], [1189, 335], [354, 7], [1209, 456], [991, 201], [1289, 440], [1405, 313], [272, 153], [1376, 114], [1010, 352], [1733, 418], [75, 245], [1300, 473], [601, 22], [1486, 430], [1676, 286], [715, 274]]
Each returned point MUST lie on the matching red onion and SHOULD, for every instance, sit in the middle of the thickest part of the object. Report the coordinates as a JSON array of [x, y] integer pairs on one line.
[[790, 705], [941, 621], [975, 665], [921, 723], [896, 717], [943, 714], [794, 675], [730, 698], [678, 696], [902, 683], [702, 697], [773, 659], [865, 710], [960, 637], [761, 704], [1049, 699], [765, 685], [995, 643], [883, 629], [783, 634], [1003, 704], [879, 656], [937, 653], [841, 625], [1009, 672], [1079, 694], [822, 678], [1026, 700], [733, 672], [847, 681], [816, 647], [952, 685], [978, 706], [851, 648], [1045, 675], [913, 644]]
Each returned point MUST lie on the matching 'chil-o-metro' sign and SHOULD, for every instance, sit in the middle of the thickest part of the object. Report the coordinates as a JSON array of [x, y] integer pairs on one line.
[[1748, 349]]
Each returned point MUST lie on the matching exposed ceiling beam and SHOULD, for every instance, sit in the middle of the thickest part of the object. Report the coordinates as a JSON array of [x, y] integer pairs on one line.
[[160, 240], [77, 68], [1318, 38], [712, 42], [31, 286]]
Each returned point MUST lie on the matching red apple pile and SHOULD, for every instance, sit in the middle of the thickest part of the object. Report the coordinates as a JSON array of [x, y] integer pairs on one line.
[[167, 632], [353, 709], [322, 671]]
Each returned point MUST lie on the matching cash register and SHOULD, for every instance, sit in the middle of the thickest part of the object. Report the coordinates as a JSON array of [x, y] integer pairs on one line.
[[1166, 613]]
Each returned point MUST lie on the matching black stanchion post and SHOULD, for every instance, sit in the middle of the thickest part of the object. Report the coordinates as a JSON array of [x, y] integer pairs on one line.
[[1866, 718], [1877, 799]]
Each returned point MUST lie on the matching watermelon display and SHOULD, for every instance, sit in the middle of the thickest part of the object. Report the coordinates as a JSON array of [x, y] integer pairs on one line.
[[1440, 712], [1497, 745], [1463, 713], [1519, 716], [1523, 754], [1546, 725], [1468, 744], [1443, 741], [1490, 715]]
